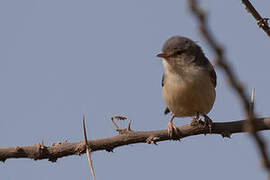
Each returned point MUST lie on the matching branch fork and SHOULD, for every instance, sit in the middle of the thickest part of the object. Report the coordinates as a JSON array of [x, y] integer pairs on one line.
[[121, 131]]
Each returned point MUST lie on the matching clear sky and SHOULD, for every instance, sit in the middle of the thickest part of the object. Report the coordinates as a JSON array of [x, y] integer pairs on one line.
[[61, 58]]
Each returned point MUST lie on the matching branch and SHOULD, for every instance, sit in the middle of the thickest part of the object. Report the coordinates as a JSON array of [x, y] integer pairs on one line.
[[262, 22], [55, 151], [221, 60]]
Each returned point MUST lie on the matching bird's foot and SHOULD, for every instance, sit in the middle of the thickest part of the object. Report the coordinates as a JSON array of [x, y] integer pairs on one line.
[[195, 121], [208, 123], [172, 131]]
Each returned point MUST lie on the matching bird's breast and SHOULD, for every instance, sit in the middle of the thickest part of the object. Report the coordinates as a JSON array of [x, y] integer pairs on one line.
[[190, 93]]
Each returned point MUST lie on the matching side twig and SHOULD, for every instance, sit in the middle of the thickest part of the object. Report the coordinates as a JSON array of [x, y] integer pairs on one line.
[[121, 131], [231, 77]]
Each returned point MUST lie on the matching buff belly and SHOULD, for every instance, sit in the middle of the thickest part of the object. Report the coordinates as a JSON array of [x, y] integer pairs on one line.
[[189, 96]]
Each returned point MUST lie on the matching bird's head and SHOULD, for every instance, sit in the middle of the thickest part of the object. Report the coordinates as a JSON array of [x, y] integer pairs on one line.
[[179, 51]]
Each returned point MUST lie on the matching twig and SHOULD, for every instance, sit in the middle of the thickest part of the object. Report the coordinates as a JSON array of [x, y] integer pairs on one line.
[[262, 22], [121, 131], [88, 150], [115, 125], [223, 63], [62, 149], [120, 117]]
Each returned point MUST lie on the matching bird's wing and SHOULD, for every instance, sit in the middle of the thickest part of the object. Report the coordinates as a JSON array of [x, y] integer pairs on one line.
[[166, 111], [212, 73], [201, 60], [213, 76], [162, 81]]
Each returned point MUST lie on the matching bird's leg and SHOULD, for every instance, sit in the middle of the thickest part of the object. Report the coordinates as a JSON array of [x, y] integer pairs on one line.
[[208, 122], [195, 121], [172, 129]]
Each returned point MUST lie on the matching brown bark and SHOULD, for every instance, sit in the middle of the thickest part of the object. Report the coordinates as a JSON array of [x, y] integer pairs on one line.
[[126, 137]]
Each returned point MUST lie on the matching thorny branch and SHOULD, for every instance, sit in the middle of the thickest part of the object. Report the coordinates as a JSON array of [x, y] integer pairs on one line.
[[252, 123], [262, 22], [127, 136], [62, 149]]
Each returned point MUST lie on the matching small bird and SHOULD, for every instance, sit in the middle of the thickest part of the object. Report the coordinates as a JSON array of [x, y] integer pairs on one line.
[[188, 82]]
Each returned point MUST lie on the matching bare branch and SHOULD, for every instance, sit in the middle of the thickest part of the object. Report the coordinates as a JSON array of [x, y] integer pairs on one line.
[[55, 151], [262, 22], [231, 77]]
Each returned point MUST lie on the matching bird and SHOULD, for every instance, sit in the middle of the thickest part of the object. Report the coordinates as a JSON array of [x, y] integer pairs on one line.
[[188, 82]]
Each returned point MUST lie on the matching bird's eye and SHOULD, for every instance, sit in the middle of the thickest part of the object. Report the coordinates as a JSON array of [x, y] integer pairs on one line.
[[178, 52]]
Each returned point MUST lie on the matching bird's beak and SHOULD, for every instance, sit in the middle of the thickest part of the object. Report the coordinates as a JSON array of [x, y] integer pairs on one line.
[[162, 55]]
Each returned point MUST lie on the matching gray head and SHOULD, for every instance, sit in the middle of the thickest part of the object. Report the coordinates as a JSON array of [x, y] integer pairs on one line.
[[177, 46], [181, 52]]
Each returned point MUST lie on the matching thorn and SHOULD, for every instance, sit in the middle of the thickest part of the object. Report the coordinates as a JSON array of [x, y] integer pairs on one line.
[[176, 139], [226, 134], [3, 160], [109, 149], [115, 125], [152, 140], [59, 143], [52, 159], [251, 109], [88, 150], [129, 126], [251, 104], [263, 22], [248, 125], [84, 131], [19, 149], [41, 145]]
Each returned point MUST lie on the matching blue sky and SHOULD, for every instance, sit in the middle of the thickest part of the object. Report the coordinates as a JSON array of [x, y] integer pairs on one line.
[[60, 59]]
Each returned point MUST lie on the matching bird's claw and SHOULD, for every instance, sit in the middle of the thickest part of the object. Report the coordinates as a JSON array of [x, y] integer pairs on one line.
[[195, 121], [172, 131]]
